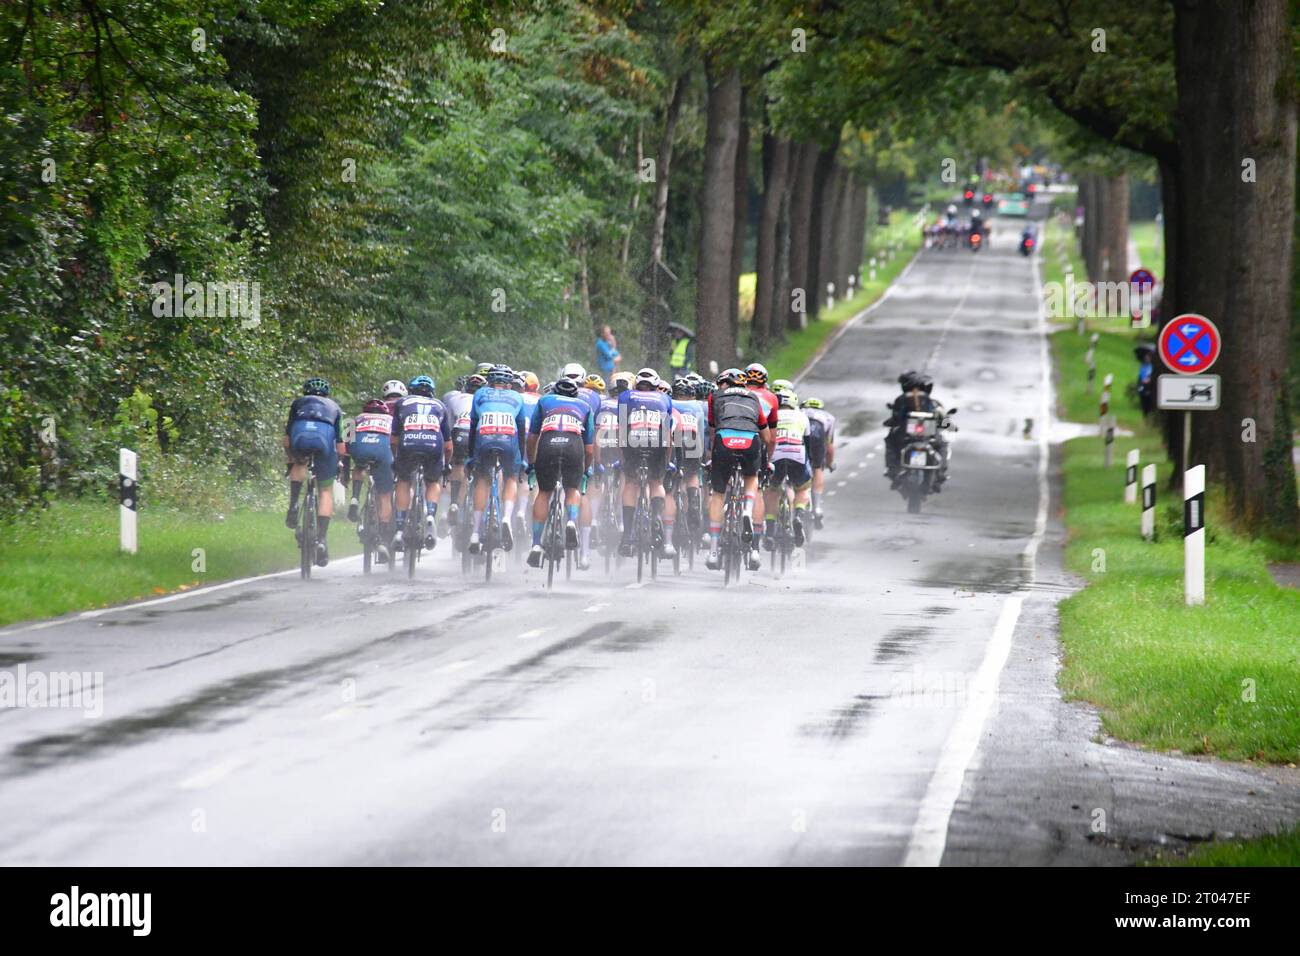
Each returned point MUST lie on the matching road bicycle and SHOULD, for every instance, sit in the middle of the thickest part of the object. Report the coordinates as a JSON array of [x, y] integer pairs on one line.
[[685, 535], [369, 530], [554, 546], [611, 516], [306, 531], [643, 527], [490, 540], [783, 546], [731, 543], [413, 533]]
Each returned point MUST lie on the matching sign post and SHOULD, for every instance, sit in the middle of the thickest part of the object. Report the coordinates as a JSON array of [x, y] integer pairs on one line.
[[129, 496], [1131, 476], [1189, 345], [1149, 502]]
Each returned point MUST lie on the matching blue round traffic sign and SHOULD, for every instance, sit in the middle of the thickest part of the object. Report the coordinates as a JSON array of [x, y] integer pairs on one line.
[[1143, 279], [1189, 344]]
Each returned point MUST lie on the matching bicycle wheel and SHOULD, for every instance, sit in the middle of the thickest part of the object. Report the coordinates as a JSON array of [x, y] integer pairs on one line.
[[307, 539], [369, 535]]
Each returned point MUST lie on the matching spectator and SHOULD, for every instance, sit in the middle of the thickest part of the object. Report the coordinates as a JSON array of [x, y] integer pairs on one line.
[[681, 357], [607, 356]]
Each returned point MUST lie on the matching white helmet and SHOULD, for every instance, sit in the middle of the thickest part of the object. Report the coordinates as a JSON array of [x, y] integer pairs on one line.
[[952, 210], [394, 387], [646, 379], [575, 371], [975, 214]]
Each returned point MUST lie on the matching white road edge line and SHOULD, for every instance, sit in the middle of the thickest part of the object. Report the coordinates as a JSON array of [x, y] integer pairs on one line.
[[206, 778], [930, 832]]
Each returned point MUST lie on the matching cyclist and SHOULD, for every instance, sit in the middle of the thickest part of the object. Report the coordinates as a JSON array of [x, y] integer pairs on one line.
[[690, 431], [741, 426], [313, 434], [422, 434], [789, 460], [372, 446], [645, 439], [821, 450], [458, 403], [756, 379], [496, 429], [560, 448], [607, 442]]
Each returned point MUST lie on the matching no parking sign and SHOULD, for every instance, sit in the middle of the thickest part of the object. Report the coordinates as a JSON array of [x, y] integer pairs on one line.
[[1189, 344]]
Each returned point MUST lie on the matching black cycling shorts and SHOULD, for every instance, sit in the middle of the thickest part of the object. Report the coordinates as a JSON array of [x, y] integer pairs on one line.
[[655, 460], [559, 456], [408, 458], [817, 450], [725, 458], [799, 473]]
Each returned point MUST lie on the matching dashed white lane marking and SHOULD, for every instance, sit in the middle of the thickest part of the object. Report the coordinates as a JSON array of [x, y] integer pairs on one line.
[[455, 666], [206, 778], [347, 710], [595, 607], [841, 483], [535, 632], [636, 584], [829, 493], [871, 454]]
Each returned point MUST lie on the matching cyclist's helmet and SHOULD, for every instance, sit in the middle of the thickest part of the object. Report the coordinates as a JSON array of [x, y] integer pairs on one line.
[[703, 390], [567, 387], [595, 382], [813, 403], [422, 385], [787, 398], [474, 382], [316, 386], [684, 388], [518, 383], [482, 368], [376, 406], [756, 375], [501, 376], [731, 376], [647, 380], [394, 389], [574, 371], [975, 214], [548, 388], [782, 385], [531, 383], [461, 382], [620, 382]]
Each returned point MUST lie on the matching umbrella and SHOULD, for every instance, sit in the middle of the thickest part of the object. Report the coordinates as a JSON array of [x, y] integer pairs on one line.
[[678, 327]]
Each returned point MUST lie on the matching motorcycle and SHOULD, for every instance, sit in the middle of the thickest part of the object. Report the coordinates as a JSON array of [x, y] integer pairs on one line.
[[922, 458], [976, 241], [1026, 245]]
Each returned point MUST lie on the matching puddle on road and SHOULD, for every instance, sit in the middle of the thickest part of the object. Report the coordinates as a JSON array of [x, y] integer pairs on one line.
[[17, 657], [900, 642], [844, 721], [862, 421], [989, 576]]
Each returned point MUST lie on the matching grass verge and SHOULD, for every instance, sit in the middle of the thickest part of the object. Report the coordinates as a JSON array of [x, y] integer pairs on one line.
[[1281, 849], [67, 559]]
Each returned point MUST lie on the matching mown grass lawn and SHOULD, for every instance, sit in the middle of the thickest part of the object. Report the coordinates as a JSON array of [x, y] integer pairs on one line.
[[1280, 849], [67, 558]]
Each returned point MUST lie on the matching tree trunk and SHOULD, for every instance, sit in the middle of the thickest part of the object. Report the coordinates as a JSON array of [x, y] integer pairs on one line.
[[843, 233], [714, 289], [1091, 222], [636, 199], [1114, 251], [781, 296], [1237, 165], [827, 268], [776, 164], [824, 170], [801, 191], [654, 325], [741, 217]]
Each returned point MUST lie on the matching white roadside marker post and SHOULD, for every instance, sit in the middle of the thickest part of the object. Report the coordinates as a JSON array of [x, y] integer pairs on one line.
[[1131, 476], [1107, 421], [1149, 502], [129, 496], [1194, 535]]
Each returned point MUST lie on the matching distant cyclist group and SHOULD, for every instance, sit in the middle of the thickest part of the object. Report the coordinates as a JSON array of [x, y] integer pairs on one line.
[[630, 459]]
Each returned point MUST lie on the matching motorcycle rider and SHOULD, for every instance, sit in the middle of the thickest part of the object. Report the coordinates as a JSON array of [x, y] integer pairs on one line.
[[916, 397]]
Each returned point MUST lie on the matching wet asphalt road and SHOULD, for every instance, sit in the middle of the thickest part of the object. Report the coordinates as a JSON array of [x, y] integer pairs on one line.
[[827, 717]]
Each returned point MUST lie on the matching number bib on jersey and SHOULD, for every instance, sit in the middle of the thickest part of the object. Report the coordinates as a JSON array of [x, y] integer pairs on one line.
[[497, 425], [561, 422], [374, 423]]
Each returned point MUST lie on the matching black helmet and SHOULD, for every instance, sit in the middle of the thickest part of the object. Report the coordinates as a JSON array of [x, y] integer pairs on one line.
[[925, 383], [907, 377], [567, 387]]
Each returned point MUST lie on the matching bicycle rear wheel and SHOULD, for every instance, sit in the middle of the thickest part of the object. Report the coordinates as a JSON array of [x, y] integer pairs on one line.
[[307, 544], [369, 533]]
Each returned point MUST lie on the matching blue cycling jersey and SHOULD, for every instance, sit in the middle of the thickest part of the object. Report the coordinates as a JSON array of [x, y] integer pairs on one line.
[[563, 415], [648, 416], [496, 418], [315, 408]]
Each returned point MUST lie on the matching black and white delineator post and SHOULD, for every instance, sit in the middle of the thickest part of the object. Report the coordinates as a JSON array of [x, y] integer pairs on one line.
[[1131, 476], [1194, 535], [1107, 421], [130, 497], [1149, 502]]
